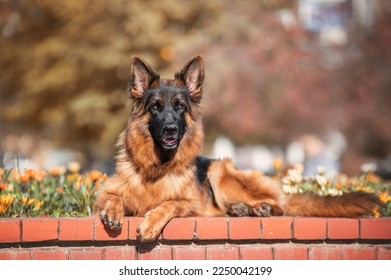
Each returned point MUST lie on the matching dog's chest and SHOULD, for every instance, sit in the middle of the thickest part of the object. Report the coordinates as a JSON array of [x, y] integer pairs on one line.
[[173, 186]]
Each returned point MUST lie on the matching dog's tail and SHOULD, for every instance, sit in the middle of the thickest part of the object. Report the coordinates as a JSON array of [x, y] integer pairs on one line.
[[349, 205]]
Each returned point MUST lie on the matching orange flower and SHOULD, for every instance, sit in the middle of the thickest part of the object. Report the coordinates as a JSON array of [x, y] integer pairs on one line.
[[24, 178], [371, 177], [3, 209], [277, 164], [74, 177], [27, 201], [39, 176], [27, 175], [95, 175], [74, 167], [77, 185], [60, 190], [57, 170], [6, 200], [3, 186], [30, 172], [339, 186], [38, 204], [368, 190], [385, 197]]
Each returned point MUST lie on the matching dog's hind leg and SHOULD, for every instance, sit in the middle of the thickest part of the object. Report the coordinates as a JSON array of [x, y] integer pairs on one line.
[[243, 193], [260, 209]]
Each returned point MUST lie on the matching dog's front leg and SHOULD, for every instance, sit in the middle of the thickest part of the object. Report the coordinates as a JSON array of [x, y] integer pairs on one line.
[[113, 212], [155, 220]]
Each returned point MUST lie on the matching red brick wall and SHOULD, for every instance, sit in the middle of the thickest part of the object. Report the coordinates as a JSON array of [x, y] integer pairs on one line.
[[199, 238]]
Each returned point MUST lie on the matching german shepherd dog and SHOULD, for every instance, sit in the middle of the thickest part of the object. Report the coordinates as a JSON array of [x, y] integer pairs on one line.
[[159, 174]]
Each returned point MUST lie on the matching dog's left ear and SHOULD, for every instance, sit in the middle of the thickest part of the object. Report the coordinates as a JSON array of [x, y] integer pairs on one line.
[[192, 75]]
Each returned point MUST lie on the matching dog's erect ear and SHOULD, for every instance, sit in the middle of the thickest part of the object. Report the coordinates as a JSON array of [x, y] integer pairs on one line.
[[141, 77], [193, 76]]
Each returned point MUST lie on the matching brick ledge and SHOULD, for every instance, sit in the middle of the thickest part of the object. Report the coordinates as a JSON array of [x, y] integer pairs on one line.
[[198, 238]]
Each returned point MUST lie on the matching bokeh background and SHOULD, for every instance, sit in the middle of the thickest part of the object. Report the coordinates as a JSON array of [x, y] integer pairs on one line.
[[308, 81]]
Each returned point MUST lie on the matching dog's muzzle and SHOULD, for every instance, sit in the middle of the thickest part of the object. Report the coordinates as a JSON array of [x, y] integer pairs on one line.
[[170, 137]]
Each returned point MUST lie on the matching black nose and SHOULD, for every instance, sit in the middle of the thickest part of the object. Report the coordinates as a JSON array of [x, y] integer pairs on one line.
[[170, 130]]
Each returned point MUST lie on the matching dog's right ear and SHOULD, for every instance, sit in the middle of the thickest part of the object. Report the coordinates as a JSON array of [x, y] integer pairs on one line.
[[141, 77]]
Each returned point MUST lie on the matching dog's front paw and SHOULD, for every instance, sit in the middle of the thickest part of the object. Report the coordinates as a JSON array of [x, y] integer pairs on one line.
[[150, 228], [112, 217]]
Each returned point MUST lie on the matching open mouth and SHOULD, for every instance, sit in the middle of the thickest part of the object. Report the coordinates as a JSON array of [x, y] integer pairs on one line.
[[170, 142]]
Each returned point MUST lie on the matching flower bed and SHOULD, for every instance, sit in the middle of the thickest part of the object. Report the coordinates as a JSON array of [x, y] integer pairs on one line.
[[56, 192], [64, 191]]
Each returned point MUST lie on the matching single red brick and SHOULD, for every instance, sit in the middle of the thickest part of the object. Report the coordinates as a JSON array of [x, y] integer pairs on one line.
[[102, 232], [255, 252], [85, 254], [76, 228], [156, 253], [180, 229], [340, 228], [222, 252], [309, 228], [39, 229], [120, 253], [276, 228], [372, 228], [189, 253], [10, 230], [358, 252], [244, 228], [324, 252], [383, 252], [291, 252], [134, 223], [211, 228], [11, 254], [49, 254]]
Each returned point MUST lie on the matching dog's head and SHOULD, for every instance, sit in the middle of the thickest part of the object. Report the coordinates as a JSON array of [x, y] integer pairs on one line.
[[167, 103]]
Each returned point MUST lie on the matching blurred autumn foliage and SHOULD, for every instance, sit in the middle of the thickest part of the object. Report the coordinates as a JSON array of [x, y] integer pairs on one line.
[[64, 70]]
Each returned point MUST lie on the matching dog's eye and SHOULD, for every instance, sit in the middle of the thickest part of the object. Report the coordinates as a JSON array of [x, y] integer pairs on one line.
[[180, 106], [156, 106]]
